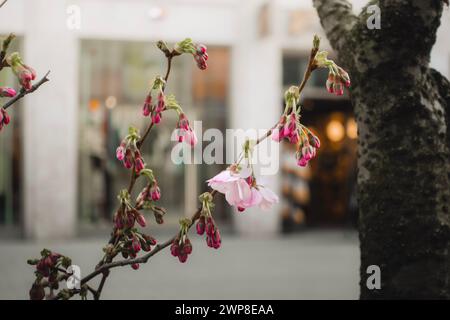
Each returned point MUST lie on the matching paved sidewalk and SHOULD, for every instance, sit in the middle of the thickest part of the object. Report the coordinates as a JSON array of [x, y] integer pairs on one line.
[[312, 265]]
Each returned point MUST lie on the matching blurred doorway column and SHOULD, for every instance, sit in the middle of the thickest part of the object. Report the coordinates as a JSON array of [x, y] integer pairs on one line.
[[256, 86], [50, 122]]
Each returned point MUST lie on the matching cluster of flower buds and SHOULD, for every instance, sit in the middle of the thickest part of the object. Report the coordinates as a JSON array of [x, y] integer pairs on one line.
[[337, 77], [207, 223], [7, 92], [289, 127], [181, 246], [197, 50], [127, 215], [24, 73], [150, 193], [4, 118], [201, 56], [135, 242], [129, 153], [184, 131], [155, 110], [48, 267], [308, 149]]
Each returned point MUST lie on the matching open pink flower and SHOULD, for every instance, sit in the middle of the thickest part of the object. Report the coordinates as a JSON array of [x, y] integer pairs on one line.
[[241, 190], [232, 183], [260, 196]]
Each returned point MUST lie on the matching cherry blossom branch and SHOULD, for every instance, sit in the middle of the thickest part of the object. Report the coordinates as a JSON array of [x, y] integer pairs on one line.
[[23, 92], [24, 73], [133, 178], [126, 239], [196, 215]]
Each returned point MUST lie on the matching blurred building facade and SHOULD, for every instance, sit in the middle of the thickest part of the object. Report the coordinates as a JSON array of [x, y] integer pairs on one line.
[[57, 164]]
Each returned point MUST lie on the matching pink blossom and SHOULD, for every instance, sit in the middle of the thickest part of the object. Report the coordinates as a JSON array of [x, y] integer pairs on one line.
[[232, 183], [261, 196], [201, 56], [241, 190], [25, 75], [140, 219], [7, 92], [138, 162], [120, 152], [185, 132], [155, 192], [146, 108], [4, 118]]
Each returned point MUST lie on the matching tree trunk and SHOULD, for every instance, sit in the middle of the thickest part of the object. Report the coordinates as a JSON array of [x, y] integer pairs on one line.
[[402, 109]]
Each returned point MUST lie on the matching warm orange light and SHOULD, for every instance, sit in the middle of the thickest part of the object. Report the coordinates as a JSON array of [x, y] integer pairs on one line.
[[94, 104], [335, 130], [352, 128]]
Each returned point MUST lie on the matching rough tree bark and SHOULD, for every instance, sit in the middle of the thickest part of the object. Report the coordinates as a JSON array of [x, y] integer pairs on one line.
[[402, 108]]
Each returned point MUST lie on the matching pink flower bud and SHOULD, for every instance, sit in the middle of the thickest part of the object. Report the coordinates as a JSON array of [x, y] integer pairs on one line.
[[146, 110], [187, 248], [135, 266], [201, 48], [241, 209], [139, 165], [174, 248], [120, 153], [141, 220], [314, 140], [156, 118], [183, 122], [277, 135], [155, 192], [182, 257], [130, 220], [200, 226], [7, 92], [294, 138], [191, 138], [302, 162], [136, 245], [138, 162]]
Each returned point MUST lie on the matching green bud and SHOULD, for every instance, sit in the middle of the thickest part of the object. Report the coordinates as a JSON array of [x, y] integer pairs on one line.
[[32, 261], [163, 47], [316, 42]]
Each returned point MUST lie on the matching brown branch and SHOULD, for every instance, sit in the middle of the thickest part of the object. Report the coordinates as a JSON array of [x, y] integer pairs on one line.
[[3, 3], [24, 92]]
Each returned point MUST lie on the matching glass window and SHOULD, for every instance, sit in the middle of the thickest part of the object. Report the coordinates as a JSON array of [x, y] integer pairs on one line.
[[114, 79], [323, 193]]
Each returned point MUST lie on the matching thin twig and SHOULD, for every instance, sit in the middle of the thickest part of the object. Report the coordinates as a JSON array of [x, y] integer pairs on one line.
[[24, 92], [3, 3]]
